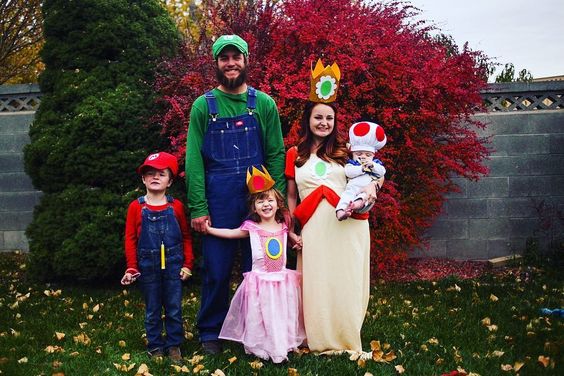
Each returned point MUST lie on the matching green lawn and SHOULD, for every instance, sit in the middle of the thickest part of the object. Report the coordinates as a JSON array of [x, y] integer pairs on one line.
[[424, 328]]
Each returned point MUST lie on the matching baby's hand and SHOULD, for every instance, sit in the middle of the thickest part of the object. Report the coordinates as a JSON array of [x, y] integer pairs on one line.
[[368, 164], [129, 277], [185, 273]]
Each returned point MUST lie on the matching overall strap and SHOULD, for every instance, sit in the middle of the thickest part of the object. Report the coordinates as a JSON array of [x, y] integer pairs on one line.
[[169, 199], [141, 200], [212, 105], [251, 99]]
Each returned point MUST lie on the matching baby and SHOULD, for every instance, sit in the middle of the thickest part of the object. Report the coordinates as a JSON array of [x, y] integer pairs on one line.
[[365, 139]]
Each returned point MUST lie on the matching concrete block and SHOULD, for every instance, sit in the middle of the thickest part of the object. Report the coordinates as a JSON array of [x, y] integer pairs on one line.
[[523, 227], [488, 229], [18, 201], [13, 143], [437, 248], [15, 221], [532, 186], [489, 187], [467, 208], [521, 144], [15, 122], [15, 240], [532, 164], [448, 229], [521, 207], [556, 142], [462, 184], [11, 162], [499, 248], [503, 260], [467, 249], [538, 122], [15, 182]]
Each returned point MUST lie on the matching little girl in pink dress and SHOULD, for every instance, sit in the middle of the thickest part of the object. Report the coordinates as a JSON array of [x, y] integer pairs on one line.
[[265, 314]]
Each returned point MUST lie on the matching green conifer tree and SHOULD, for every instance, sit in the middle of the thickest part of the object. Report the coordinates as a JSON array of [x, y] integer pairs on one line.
[[92, 130]]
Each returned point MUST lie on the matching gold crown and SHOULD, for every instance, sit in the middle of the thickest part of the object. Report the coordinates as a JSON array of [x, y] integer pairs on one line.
[[324, 82], [259, 181]]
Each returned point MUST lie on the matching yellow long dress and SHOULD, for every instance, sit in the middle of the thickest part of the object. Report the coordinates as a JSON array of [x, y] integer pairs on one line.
[[335, 265]]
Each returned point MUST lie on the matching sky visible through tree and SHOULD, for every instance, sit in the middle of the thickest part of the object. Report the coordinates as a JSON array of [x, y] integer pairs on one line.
[[527, 34]]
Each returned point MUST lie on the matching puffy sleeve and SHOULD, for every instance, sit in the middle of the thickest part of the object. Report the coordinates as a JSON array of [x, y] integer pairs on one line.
[[291, 156], [248, 225]]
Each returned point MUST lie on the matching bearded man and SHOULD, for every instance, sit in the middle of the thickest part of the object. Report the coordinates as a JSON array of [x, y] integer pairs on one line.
[[231, 128]]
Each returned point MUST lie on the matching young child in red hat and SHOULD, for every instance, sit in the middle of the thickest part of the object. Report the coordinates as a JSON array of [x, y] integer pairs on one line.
[[158, 252]]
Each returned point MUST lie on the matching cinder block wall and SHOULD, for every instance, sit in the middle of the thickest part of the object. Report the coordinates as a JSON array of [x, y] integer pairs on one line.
[[489, 218], [17, 195], [524, 190]]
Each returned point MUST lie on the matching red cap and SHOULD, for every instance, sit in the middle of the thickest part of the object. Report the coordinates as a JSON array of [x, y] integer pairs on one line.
[[160, 161]]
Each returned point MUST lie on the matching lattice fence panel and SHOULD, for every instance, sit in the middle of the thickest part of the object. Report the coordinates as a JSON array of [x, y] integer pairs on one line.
[[20, 102]]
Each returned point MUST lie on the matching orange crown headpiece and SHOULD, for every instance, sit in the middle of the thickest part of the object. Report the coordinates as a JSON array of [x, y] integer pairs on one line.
[[259, 181], [324, 82]]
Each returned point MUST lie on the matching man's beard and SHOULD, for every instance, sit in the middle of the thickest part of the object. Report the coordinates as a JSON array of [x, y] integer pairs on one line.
[[231, 83]]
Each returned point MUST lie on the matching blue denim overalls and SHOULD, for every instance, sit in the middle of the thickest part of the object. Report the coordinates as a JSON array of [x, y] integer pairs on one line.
[[161, 287], [230, 146]]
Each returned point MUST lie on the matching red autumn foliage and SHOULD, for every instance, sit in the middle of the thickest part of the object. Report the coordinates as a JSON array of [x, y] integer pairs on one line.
[[393, 72]]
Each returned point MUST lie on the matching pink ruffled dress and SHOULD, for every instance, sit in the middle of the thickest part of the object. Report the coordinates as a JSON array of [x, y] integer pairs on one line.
[[265, 314]]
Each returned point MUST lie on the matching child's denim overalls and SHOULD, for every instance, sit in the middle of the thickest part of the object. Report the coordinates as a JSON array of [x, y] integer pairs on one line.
[[161, 287], [230, 146]]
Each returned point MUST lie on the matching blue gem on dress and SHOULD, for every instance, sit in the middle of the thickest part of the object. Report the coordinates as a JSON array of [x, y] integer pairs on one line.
[[273, 248]]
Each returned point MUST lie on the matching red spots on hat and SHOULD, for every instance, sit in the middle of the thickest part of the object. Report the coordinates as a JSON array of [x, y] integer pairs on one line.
[[258, 182], [361, 129], [239, 123], [380, 135]]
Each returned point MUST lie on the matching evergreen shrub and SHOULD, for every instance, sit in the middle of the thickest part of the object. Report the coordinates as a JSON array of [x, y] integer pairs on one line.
[[91, 131]]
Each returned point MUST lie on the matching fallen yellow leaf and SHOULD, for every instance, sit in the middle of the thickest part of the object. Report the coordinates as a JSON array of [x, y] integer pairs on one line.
[[96, 308], [399, 368], [22, 360], [126, 356], [82, 338], [544, 360], [361, 363], [121, 343], [198, 368], [294, 372], [59, 335], [232, 360], [433, 341], [257, 364], [196, 359], [374, 345], [518, 365], [218, 372], [143, 370], [506, 367], [497, 353], [493, 298]]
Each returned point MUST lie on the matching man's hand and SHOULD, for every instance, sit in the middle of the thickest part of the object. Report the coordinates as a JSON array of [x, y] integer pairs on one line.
[[199, 224]]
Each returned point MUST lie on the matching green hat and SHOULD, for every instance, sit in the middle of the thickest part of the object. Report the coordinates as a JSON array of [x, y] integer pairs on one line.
[[230, 40]]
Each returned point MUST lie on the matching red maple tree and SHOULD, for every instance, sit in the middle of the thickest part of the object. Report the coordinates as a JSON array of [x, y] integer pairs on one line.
[[393, 72]]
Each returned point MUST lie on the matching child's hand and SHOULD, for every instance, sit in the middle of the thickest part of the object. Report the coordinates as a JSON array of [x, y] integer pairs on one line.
[[297, 240], [185, 273], [130, 276]]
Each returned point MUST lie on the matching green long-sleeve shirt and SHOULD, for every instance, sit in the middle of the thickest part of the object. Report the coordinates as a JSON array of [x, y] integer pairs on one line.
[[230, 105]]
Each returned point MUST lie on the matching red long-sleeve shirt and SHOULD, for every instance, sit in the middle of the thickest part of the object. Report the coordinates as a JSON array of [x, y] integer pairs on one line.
[[133, 231]]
